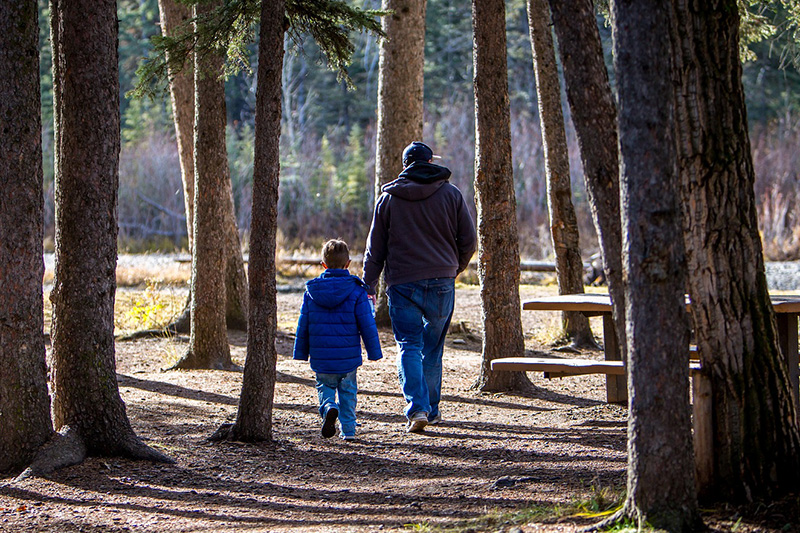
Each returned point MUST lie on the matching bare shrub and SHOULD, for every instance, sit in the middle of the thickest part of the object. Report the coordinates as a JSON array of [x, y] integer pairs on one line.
[[776, 161], [150, 193], [312, 208]]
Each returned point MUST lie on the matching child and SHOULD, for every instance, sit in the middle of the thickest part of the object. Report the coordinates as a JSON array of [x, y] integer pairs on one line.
[[335, 316]]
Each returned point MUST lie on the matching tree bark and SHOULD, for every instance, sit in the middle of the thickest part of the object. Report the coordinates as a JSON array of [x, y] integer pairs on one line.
[[594, 114], [254, 418], [661, 487], [498, 245], [400, 90], [235, 273], [175, 19], [563, 221], [755, 433], [24, 402], [208, 341], [86, 400]]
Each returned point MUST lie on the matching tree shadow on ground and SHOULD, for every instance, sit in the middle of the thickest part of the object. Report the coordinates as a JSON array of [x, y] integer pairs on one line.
[[328, 485]]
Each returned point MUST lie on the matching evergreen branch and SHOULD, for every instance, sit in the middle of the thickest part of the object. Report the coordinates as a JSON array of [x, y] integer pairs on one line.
[[230, 28], [329, 22]]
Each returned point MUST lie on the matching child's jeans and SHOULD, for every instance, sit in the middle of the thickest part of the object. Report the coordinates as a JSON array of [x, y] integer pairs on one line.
[[347, 387]]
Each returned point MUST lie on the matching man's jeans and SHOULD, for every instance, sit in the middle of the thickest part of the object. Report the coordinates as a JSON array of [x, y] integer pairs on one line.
[[346, 385], [421, 313]]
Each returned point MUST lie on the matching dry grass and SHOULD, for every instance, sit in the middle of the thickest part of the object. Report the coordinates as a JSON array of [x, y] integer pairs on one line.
[[149, 294], [131, 276], [152, 290], [153, 307], [133, 272]]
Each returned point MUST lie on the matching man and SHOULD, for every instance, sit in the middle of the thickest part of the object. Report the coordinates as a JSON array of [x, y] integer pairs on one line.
[[422, 236]]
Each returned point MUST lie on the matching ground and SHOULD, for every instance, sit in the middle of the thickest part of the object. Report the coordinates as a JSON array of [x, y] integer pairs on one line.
[[498, 462]]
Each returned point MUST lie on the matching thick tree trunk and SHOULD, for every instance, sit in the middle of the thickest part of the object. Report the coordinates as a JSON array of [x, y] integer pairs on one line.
[[86, 402], [594, 114], [498, 245], [254, 418], [563, 222], [174, 20], [661, 485], [24, 403], [208, 343], [755, 433], [400, 89]]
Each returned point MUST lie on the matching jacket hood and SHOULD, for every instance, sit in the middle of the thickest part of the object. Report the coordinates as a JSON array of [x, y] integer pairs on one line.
[[418, 181], [333, 287]]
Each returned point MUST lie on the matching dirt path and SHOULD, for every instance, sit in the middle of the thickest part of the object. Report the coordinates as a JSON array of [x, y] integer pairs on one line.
[[493, 453]]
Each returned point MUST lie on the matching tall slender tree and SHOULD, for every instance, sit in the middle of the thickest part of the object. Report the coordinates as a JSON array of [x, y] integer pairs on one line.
[[594, 113], [563, 221], [755, 429], [176, 18], [208, 343], [400, 90], [661, 487], [175, 21], [498, 245], [87, 407], [24, 403], [254, 418]]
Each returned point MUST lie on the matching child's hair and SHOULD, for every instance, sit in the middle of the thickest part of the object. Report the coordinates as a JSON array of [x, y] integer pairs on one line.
[[335, 254]]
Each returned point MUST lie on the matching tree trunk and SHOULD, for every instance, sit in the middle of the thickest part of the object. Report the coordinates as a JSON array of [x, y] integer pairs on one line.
[[755, 433], [661, 487], [175, 18], [594, 114], [563, 222], [400, 89], [498, 245], [254, 419], [235, 274], [208, 344], [24, 403], [86, 400]]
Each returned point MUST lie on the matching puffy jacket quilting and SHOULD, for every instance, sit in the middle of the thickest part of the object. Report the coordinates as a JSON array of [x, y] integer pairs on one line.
[[334, 319]]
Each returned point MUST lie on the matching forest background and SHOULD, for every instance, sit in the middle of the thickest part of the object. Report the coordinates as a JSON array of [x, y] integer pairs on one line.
[[328, 137]]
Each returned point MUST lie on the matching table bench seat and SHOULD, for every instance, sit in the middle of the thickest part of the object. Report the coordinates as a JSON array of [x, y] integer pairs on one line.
[[556, 368]]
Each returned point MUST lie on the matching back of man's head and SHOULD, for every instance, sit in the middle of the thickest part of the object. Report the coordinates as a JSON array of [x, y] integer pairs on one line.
[[417, 151], [335, 254]]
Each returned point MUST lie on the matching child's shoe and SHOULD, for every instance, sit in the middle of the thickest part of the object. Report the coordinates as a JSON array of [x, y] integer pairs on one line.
[[348, 437], [329, 423]]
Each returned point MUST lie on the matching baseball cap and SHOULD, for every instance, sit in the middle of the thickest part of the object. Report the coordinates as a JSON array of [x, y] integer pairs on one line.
[[417, 151]]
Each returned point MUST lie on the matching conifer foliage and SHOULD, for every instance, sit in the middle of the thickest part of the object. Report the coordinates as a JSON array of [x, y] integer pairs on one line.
[[229, 29]]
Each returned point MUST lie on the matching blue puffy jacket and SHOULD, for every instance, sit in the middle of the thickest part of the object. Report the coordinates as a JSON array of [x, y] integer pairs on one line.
[[334, 318]]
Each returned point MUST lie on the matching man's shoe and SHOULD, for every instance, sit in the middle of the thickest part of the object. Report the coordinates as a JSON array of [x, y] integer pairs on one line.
[[417, 422], [435, 420], [329, 423]]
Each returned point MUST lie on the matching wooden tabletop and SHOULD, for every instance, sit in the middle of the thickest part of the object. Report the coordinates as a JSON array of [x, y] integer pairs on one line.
[[601, 303]]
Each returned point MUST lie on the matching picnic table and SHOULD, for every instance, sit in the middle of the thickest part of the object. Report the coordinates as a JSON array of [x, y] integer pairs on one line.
[[787, 309]]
